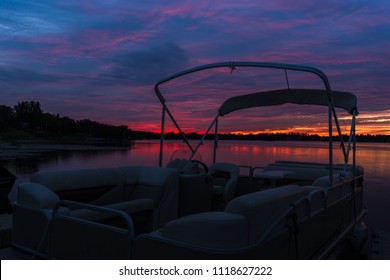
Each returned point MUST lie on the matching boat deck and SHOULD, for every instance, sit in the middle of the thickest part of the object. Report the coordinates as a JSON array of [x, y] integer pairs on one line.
[[7, 252], [380, 243], [13, 254], [5, 230]]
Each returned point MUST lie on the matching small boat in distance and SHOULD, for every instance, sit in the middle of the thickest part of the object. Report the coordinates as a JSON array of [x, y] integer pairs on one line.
[[191, 208]]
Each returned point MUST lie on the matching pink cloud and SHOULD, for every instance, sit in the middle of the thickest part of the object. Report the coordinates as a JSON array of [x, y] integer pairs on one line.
[[347, 40]]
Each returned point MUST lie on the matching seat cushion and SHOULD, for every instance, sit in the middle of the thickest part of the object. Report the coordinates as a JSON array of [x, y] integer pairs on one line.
[[263, 208], [209, 229], [129, 207], [325, 182], [66, 180], [36, 196], [184, 166]]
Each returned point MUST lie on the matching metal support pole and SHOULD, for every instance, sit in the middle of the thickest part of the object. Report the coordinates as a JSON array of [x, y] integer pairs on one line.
[[179, 129], [162, 136], [215, 140], [354, 143], [339, 132], [350, 142], [203, 137], [330, 143]]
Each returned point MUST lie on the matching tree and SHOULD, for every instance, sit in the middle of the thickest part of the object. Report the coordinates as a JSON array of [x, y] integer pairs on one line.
[[7, 116], [29, 112]]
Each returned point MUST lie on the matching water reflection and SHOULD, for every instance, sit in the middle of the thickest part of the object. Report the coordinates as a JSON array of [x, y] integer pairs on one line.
[[374, 157]]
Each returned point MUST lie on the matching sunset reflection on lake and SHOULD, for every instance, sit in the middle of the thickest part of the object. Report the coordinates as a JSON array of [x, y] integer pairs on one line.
[[374, 157]]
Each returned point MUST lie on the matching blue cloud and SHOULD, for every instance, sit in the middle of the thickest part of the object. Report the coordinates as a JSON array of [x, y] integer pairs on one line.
[[147, 66]]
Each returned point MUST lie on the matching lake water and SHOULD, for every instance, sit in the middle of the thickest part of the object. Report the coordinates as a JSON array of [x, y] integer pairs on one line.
[[375, 157]]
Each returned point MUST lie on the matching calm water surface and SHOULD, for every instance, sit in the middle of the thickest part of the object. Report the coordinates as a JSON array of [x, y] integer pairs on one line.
[[375, 157]]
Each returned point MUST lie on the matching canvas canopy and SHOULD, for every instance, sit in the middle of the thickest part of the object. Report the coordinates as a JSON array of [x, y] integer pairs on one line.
[[326, 97], [344, 100]]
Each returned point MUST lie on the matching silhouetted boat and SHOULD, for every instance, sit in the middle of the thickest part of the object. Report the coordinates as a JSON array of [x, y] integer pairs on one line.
[[193, 210]]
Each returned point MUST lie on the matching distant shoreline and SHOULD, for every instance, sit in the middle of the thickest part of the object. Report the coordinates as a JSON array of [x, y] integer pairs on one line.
[[377, 138], [23, 149], [30, 148]]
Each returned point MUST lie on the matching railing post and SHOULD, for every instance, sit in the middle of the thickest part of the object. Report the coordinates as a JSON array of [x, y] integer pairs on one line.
[[162, 136], [215, 141]]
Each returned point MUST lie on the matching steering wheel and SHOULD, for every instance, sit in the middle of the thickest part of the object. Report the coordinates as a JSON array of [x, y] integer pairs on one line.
[[202, 164]]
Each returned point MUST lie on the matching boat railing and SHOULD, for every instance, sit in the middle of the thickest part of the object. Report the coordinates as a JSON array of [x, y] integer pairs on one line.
[[88, 238]]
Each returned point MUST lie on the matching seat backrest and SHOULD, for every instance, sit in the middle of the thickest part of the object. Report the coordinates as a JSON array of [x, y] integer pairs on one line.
[[184, 166], [97, 185], [157, 183], [226, 175], [36, 196], [340, 186], [263, 208], [148, 181], [75, 238], [324, 181], [316, 198], [210, 230], [31, 216]]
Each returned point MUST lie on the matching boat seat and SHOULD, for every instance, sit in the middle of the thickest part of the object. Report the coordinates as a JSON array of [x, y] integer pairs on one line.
[[324, 181], [95, 185], [210, 229], [339, 167], [156, 183], [76, 238], [303, 173], [184, 166], [244, 222], [225, 177], [195, 193], [31, 217], [148, 194], [340, 186], [310, 171], [129, 207], [275, 177], [37, 196], [316, 199], [262, 208]]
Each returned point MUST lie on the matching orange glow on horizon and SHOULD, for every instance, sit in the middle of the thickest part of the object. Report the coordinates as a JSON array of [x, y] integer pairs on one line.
[[373, 123], [362, 130], [253, 132], [280, 131]]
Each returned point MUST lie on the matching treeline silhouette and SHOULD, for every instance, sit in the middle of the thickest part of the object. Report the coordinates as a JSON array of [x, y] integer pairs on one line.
[[227, 136], [28, 119], [292, 136]]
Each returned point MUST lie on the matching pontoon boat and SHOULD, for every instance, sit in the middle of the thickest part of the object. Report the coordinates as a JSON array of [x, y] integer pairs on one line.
[[188, 209]]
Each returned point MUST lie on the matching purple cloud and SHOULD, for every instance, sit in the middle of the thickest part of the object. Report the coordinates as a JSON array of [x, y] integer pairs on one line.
[[88, 59]]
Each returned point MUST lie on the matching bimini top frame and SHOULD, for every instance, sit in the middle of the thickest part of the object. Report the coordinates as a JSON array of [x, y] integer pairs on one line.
[[325, 97]]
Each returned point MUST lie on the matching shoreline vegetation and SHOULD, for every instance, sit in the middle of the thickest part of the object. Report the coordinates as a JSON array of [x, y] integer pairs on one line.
[[27, 131], [292, 136], [31, 148]]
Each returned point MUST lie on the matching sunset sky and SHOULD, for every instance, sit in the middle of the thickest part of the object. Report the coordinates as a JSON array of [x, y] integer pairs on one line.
[[100, 59]]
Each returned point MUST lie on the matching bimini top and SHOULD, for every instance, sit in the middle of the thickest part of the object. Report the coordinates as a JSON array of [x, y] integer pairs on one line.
[[340, 99], [326, 97], [317, 96]]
